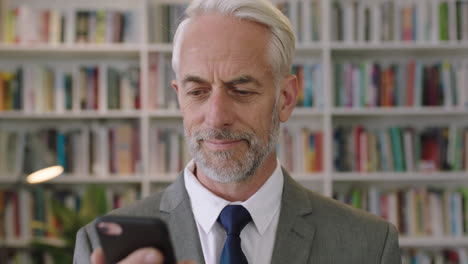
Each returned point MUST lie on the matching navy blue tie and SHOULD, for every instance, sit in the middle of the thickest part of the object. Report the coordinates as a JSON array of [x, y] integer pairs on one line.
[[233, 218]]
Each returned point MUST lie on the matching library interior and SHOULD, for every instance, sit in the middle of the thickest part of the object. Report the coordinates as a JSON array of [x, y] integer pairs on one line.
[[381, 121]]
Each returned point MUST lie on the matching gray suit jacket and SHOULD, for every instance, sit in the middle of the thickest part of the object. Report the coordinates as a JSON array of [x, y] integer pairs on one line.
[[311, 229]]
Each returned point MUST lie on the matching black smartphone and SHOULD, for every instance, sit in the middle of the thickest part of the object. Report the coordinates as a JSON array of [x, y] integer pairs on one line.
[[121, 235]]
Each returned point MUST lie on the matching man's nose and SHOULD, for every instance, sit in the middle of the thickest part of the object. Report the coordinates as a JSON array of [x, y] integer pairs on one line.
[[220, 110]]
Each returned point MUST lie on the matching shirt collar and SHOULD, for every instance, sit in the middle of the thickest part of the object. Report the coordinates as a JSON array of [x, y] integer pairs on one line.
[[262, 206]]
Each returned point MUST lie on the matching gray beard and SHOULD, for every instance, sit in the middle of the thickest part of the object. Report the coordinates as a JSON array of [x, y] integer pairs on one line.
[[223, 166]]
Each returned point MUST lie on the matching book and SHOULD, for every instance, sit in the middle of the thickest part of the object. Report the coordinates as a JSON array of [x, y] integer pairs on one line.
[[415, 211], [123, 149], [443, 21], [400, 148], [409, 83], [406, 21]]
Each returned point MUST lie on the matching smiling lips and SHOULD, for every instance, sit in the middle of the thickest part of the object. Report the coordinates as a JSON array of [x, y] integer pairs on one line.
[[216, 144]]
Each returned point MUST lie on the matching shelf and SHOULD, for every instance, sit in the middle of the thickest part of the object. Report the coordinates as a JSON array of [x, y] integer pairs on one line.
[[400, 176], [76, 179], [71, 115], [314, 48], [444, 242], [308, 177], [395, 111], [389, 48], [6, 180], [410, 45], [111, 179], [163, 178], [307, 112], [115, 49], [165, 113], [25, 243], [160, 47]]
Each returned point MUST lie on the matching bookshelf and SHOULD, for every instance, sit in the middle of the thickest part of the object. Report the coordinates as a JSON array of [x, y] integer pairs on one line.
[[384, 31]]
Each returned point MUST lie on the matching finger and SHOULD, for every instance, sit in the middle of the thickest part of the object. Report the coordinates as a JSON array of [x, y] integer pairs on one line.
[[188, 262], [145, 256], [98, 256]]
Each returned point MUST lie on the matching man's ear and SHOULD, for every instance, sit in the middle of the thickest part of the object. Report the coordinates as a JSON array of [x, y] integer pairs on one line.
[[288, 97], [175, 86]]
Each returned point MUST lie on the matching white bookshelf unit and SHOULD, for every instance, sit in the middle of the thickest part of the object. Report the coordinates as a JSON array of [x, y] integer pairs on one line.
[[361, 42]]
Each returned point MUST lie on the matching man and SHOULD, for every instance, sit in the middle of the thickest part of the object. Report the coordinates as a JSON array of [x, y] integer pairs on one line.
[[232, 61]]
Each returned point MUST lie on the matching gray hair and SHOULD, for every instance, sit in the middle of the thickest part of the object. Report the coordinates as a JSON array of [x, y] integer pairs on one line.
[[282, 43]]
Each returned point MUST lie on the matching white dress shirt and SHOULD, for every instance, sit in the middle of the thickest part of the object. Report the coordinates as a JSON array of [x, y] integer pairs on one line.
[[257, 237]]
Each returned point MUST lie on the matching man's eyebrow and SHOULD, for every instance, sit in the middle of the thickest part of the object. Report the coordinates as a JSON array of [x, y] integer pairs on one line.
[[193, 78], [244, 79]]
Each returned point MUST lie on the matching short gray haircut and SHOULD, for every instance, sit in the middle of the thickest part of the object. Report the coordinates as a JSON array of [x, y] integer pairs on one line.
[[282, 44]]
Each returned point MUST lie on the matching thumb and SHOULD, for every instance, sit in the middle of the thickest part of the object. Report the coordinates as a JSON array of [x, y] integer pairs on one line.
[[145, 256]]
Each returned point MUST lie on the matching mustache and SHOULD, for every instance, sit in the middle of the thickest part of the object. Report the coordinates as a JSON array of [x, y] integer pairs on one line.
[[222, 134]]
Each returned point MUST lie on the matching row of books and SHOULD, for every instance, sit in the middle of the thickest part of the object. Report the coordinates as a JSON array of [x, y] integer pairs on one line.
[[105, 26], [310, 84], [66, 145], [101, 149], [123, 88], [400, 20], [164, 19], [415, 211], [24, 24], [114, 149], [401, 148], [27, 213], [300, 149], [12, 256], [161, 94], [305, 17], [96, 149], [11, 90], [168, 151], [58, 88], [12, 146], [406, 84], [28, 24], [441, 256]]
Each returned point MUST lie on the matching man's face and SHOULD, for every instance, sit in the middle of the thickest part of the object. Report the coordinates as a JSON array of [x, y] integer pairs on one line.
[[227, 96]]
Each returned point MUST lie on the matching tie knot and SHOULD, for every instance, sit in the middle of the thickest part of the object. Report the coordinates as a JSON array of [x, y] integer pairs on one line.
[[234, 218]]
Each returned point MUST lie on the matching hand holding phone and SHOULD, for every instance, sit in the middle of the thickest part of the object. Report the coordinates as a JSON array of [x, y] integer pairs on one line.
[[122, 235]]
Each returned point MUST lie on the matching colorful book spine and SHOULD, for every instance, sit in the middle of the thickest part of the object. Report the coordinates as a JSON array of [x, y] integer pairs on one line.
[[406, 21], [408, 84], [400, 149], [421, 211]]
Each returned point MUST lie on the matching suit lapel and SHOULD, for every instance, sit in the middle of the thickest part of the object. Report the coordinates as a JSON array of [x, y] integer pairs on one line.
[[294, 235], [184, 232]]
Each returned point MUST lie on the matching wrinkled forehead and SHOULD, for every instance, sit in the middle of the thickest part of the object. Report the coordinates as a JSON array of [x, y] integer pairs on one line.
[[214, 36]]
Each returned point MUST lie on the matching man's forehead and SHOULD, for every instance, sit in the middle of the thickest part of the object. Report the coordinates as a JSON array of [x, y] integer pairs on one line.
[[222, 60], [208, 29], [226, 46], [210, 21]]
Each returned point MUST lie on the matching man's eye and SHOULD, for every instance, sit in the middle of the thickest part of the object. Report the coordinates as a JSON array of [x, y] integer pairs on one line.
[[242, 92], [197, 92]]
